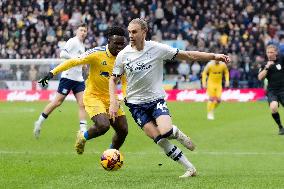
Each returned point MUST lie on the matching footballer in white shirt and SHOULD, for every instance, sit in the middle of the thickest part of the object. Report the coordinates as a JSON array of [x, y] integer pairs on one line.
[[71, 80], [142, 63]]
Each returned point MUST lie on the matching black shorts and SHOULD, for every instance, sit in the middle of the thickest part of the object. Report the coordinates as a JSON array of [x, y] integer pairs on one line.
[[66, 85], [275, 96]]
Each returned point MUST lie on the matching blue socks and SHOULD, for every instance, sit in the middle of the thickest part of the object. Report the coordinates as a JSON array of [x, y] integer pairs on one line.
[[86, 135], [111, 146]]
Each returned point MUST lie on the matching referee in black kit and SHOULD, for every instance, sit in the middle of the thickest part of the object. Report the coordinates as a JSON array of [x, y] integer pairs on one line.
[[273, 70]]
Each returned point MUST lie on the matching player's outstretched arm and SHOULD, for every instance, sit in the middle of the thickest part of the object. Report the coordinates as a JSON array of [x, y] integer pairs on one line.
[[67, 64], [204, 78], [227, 77], [201, 56], [62, 67], [114, 104]]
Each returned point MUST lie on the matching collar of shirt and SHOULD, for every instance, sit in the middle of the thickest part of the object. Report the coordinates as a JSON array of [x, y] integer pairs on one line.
[[108, 52], [132, 49]]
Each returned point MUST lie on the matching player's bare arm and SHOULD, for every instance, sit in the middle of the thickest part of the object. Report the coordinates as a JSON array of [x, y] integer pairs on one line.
[[204, 77], [201, 56], [114, 104], [227, 77]]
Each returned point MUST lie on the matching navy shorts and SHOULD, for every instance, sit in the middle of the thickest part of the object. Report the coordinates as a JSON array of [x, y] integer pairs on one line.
[[66, 85], [144, 113], [275, 96]]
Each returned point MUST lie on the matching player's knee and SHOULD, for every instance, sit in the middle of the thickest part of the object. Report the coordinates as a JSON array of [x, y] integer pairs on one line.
[[82, 108], [273, 107], [103, 127], [81, 105]]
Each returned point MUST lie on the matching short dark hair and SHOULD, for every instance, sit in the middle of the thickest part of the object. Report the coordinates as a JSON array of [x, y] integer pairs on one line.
[[84, 25], [115, 30]]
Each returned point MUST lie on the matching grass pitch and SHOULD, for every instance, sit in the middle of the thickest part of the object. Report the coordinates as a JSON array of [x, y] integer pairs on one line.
[[240, 149]]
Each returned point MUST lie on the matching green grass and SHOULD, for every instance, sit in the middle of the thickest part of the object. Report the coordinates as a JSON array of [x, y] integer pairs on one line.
[[240, 149]]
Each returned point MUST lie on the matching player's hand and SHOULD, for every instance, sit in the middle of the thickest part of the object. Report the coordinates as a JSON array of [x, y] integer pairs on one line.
[[204, 86], [227, 84], [113, 109], [222, 57], [44, 81], [269, 64]]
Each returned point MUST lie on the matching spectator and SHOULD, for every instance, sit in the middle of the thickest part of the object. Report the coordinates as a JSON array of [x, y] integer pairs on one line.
[[235, 76], [19, 73], [195, 71], [32, 73], [31, 29], [183, 71]]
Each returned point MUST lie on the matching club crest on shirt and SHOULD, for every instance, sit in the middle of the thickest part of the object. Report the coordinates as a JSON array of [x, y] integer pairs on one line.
[[278, 66]]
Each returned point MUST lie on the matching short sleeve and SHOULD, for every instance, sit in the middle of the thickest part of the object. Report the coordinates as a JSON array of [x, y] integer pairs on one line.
[[168, 52], [118, 69], [69, 45], [281, 60]]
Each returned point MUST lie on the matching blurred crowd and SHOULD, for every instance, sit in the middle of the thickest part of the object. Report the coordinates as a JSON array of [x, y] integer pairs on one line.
[[241, 28]]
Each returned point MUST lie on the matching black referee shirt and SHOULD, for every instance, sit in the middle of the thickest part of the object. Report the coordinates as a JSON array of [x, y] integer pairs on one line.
[[275, 75]]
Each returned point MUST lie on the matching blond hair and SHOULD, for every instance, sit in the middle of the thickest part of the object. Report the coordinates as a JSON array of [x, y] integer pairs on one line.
[[141, 22], [272, 47]]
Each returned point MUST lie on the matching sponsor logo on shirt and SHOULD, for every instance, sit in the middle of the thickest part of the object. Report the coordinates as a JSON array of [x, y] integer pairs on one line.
[[140, 66], [105, 74]]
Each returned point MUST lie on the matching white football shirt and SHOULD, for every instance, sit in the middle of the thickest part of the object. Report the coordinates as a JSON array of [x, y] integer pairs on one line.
[[73, 49], [144, 71]]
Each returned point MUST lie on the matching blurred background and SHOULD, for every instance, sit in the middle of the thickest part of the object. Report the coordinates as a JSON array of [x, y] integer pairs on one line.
[[37, 29]]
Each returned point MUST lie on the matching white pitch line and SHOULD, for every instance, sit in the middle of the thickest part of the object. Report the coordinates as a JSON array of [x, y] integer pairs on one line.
[[148, 153], [14, 110]]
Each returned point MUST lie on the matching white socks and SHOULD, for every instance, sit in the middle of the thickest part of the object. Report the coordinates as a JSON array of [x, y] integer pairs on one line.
[[174, 152], [40, 120], [83, 125]]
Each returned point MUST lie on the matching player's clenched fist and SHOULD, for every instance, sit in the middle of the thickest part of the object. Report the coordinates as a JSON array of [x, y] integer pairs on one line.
[[222, 57]]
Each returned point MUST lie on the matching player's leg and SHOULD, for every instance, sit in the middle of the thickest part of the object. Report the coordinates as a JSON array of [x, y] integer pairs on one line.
[[64, 87], [273, 105], [169, 131], [144, 116], [57, 101], [211, 101], [100, 127], [162, 117], [78, 91], [218, 96], [170, 150], [97, 111], [281, 129], [121, 130]]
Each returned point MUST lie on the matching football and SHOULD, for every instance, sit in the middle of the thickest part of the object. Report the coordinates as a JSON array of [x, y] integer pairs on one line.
[[111, 160]]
